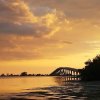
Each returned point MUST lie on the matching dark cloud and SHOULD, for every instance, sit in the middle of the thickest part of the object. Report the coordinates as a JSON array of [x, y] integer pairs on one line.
[[16, 17], [73, 9], [23, 29], [12, 10], [22, 21]]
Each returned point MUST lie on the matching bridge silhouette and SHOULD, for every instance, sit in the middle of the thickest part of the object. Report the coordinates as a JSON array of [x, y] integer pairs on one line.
[[66, 71]]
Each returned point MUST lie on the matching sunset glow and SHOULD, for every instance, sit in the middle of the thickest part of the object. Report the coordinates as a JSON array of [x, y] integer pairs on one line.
[[38, 36]]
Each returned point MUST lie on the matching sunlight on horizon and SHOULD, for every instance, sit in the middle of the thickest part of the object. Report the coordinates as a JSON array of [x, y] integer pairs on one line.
[[40, 36]]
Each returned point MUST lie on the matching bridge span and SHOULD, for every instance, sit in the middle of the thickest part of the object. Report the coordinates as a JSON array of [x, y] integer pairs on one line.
[[66, 71]]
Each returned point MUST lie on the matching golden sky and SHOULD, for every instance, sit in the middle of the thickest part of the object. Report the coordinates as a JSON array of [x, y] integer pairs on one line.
[[38, 36]]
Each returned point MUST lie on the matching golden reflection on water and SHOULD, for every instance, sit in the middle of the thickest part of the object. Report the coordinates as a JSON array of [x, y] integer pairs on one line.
[[19, 84], [48, 88]]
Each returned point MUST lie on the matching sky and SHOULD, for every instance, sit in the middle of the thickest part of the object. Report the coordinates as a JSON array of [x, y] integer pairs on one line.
[[38, 36]]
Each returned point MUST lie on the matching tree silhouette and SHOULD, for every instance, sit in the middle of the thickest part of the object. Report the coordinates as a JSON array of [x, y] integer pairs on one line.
[[91, 71], [3, 75], [23, 74]]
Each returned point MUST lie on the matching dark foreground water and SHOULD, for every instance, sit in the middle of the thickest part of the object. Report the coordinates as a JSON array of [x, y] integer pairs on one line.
[[47, 88]]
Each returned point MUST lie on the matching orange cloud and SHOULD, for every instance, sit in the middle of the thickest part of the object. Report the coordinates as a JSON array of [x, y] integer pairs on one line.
[[23, 21], [45, 29]]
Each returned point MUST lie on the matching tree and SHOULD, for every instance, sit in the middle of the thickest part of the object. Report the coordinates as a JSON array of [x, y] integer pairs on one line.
[[91, 71], [3, 75], [23, 74]]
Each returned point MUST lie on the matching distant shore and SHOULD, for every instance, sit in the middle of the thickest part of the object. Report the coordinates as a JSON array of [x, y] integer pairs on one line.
[[23, 74]]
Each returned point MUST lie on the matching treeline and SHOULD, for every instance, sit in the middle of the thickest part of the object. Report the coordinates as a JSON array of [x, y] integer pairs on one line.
[[91, 71], [22, 74]]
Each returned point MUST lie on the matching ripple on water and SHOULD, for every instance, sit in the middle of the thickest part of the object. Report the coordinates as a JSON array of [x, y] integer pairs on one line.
[[65, 91], [51, 93]]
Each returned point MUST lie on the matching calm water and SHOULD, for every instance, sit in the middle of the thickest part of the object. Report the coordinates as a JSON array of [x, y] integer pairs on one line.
[[47, 88]]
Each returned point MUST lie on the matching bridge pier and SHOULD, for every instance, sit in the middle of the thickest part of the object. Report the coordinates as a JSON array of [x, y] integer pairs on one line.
[[70, 73]]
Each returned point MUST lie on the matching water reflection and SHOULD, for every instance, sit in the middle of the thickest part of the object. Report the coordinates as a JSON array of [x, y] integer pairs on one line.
[[79, 90], [54, 88], [63, 80]]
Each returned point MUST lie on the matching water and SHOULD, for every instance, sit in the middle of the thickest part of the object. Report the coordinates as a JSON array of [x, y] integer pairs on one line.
[[47, 88]]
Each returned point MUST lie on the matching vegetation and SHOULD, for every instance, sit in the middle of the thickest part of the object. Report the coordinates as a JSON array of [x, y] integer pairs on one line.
[[91, 72], [22, 74]]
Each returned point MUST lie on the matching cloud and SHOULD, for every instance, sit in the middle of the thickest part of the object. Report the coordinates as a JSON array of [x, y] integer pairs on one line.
[[94, 44], [73, 9], [18, 48], [32, 29], [24, 29], [16, 17], [14, 47]]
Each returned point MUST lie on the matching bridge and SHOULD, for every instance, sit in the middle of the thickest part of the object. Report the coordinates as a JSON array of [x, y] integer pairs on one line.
[[66, 71]]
